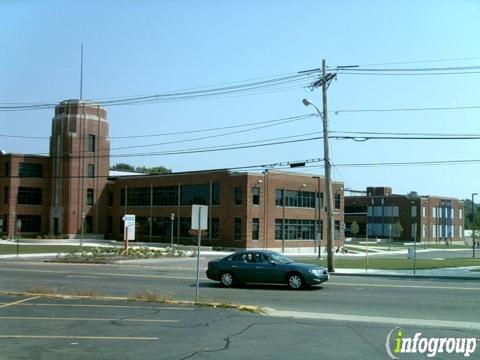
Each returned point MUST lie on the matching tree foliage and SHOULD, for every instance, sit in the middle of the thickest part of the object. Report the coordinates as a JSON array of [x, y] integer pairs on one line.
[[354, 228], [141, 169]]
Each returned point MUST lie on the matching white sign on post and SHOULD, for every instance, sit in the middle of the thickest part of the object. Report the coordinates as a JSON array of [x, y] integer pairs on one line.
[[129, 225], [199, 222], [199, 217]]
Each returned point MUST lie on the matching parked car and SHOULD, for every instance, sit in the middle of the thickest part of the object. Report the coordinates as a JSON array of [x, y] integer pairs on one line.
[[264, 267]]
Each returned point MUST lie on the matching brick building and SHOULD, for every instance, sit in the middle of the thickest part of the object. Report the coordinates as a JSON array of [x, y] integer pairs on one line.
[[53, 194], [425, 218]]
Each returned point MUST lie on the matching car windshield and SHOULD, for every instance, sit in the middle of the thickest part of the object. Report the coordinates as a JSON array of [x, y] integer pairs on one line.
[[280, 259]]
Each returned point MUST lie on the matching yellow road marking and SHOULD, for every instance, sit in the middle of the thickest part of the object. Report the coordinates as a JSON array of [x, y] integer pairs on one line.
[[18, 302], [83, 319], [76, 337], [407, 286]]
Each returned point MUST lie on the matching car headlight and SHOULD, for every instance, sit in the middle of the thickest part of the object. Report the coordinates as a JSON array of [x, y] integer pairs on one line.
[[316, 272]]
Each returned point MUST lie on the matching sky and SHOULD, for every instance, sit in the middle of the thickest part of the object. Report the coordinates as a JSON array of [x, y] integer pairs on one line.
[[149, 47]]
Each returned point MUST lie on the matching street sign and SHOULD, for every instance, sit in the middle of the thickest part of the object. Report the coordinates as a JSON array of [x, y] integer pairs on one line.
[[199, 222], [199, 217], [129, 226]]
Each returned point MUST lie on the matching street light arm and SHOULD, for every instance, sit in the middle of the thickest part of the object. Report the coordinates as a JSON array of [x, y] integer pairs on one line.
[[308, 103]]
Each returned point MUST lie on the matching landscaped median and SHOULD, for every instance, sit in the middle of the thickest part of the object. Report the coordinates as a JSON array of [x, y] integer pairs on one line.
[[147, 296]]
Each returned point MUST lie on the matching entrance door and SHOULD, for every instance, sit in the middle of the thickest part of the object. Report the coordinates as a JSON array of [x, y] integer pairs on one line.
[[55, 226]]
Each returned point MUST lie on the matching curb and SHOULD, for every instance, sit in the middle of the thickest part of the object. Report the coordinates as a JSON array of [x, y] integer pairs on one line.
[[240, 307], [410, 276]]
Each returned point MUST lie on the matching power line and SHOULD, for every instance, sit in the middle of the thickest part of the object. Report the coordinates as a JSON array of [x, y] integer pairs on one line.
[[217, 135], [470, 107], [280, 120]]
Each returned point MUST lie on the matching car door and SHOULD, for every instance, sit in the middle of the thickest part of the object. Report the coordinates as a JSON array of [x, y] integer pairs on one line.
[[243, 267], [266, 271]]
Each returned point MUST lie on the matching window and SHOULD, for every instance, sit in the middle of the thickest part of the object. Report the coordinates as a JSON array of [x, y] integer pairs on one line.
[[5, 195], [337, 201], [165, 196], [89, 197], [110, 199], [199, 194], [460, 231], [30, 170], [29, 196], [336, 231], [238, 195], [434, 212], [30, 223], [7, 169], [109, 225], [460, 213], [237, 231], [91, 143], [88, 225], [423, 211], [292, 198], [414, 211], [255, 228], [90, 170], [295, 229], [256, 196]]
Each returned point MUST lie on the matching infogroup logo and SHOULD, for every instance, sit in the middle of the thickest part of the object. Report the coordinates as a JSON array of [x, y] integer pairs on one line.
[[397, 343]]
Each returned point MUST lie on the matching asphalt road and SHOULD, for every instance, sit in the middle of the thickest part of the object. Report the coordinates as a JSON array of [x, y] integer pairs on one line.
[[345, 318], [39, 328]]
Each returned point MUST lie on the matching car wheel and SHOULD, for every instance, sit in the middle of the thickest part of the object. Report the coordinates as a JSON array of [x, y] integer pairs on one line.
[[226, 279], [295, 281]]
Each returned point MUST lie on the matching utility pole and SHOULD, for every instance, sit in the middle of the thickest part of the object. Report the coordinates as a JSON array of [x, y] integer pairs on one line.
[[324, 81], [328, 181]]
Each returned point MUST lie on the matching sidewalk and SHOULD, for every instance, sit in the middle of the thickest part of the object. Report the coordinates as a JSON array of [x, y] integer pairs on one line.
[[460, 273]]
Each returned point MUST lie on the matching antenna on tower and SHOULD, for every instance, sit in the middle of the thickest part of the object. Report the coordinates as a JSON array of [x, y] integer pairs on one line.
[[81, 71]]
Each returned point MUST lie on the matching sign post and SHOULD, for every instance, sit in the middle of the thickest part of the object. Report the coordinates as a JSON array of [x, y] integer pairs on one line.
[[199, 223], [128, 229], [19, 227]]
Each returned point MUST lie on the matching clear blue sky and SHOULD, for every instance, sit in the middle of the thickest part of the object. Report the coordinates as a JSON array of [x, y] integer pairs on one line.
[[144, 47]]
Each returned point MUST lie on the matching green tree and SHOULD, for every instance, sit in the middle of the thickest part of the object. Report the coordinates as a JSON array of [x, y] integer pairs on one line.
[[354, 228], [397, 229], [122, 166], [141, 169], [153, 170]]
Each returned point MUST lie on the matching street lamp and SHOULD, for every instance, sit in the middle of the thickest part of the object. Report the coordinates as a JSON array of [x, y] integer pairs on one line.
[[172, 219], [473, 223], [328, 183]]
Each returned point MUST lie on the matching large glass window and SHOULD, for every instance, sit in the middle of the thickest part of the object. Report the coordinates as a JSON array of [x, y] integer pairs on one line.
[[30, 170], [295, 229], [30, 223], [29, 196], [88, 226], [238, 194], [292, 198], [6, 194], [136, 196], [199, 194], [255, 228], [165, 196]]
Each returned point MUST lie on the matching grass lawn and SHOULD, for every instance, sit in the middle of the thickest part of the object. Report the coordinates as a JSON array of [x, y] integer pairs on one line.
[[394, 264], [38, 249]]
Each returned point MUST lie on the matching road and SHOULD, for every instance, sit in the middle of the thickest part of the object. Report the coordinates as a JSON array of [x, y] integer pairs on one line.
[[347, 317]]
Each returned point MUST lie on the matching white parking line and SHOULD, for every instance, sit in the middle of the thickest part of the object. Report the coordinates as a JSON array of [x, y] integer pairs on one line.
[[18, 302], [432, 323]]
